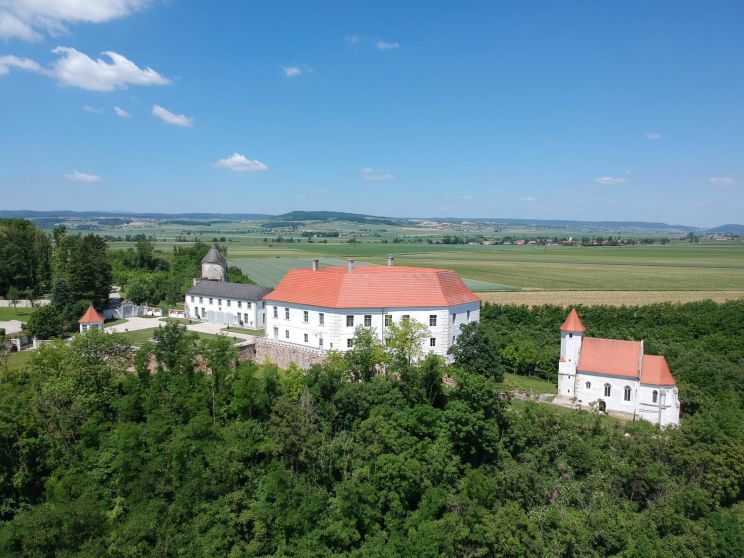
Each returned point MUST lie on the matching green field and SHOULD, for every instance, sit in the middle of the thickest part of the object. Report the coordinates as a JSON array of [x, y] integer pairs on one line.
[[528, 384], [19, 360], [21, 314]]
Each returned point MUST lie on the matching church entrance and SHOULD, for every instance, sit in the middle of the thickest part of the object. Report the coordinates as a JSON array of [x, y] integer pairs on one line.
[[602, 405]]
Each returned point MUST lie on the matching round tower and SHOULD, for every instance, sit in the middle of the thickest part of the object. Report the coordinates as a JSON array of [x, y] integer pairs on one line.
[[214, 265], [572, 332]]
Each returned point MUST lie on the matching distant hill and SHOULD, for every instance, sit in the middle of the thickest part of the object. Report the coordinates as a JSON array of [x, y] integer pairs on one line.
[[730, 229], [295, 216], [570, 224]]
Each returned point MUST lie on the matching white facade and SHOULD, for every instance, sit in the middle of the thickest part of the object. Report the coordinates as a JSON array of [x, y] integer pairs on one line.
[[228, 311], [621, 394], [333, 328]]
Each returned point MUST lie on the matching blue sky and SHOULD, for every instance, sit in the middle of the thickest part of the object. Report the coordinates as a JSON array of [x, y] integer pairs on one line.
[[581, 110]]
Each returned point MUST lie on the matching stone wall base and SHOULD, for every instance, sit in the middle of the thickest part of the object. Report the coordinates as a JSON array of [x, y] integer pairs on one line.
[[283, 354]]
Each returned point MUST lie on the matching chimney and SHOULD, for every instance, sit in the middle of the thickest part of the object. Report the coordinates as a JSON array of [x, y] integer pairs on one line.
[[391, 261], [350, 267], [316, 263], [640, 359]]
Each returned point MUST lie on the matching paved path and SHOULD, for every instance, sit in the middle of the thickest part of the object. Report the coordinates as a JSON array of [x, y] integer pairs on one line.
[[133, 324], [11, 326]]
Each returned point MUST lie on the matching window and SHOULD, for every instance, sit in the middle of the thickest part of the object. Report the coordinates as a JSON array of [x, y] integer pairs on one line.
[[286, 313], [286, 334], [454, 318], [276, 332], [306, 338], [229, 302], [349, 343], [406, 318], [320, 342], [201, 300], [240, 304], [321, 318], [192, 298], [655, 396], [626, 393], [305, 316], [388, 319], [204, 312], [367, 320], [245, 318], [219, 301], [454, 339], [211, 301], [468, 315], [349, 322], [432, 341], [432, 320], [248, 304], [607, 390], [276, 312], [588, 385]]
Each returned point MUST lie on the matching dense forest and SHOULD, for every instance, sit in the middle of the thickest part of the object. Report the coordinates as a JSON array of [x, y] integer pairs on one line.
[[181, 451]]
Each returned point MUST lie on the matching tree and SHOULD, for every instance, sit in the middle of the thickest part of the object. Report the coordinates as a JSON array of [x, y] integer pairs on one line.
[[61, 296], [46, 321], [367, 354], [83, 262], [477, 351], [13, 296], [139, 290], [24, 256], [404, 342], [219, 356]]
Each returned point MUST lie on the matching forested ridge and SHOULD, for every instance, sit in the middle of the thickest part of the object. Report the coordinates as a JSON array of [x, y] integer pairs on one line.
[[339, 461]]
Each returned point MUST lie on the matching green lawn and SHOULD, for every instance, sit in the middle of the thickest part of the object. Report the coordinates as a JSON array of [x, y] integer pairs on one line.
[[142, 336], [19, 360], [113, 323], [257, 332], [584, 417], [175, 320], [22, 314], [529, 384]]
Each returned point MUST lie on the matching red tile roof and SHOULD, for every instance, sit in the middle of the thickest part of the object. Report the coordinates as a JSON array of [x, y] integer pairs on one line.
[[610, 356], [573, 322], [91, 316], [655, 371], [372, 287]]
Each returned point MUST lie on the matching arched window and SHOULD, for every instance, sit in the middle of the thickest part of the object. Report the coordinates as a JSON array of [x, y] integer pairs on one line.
[[626, 393], [655, 396], [588, 385], [608, 390]]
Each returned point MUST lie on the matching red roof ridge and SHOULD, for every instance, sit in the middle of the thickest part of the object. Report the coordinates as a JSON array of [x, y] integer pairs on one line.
[[573, 322], [91, 316]]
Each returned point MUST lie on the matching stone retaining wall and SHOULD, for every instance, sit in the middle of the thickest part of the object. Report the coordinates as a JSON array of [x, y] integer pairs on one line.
[[282, 354]]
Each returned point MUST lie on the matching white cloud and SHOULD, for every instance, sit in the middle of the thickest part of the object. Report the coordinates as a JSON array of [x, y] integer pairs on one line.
[[77, 176], [609, 180], [291, 71], [9, 61], [77, 69], [121, 113], [722, 181], [94, 110], [28, 19], [383, 45], [466, 197], [352, 39], [653, 136], [527, 199], [175, 119], [238, 163], [375, 175]]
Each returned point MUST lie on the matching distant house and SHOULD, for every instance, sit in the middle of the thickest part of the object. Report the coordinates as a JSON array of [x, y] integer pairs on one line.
[[215, 300], [320, 307], [91, 320], [615, 376]]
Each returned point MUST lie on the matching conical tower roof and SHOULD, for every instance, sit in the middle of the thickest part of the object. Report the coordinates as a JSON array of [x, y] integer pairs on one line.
[[91, 316], [213, 256], [573, 322]]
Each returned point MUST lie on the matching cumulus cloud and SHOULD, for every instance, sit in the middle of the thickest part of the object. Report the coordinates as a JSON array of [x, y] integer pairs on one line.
[[610, 180], [291, 71], [174, 119], [121, 113], [375, 175], [77, 176], [29, 20], [94, 110], [384, 45], [9, 61], [239, 163], [722, 181], [653, 136], [77, 69]]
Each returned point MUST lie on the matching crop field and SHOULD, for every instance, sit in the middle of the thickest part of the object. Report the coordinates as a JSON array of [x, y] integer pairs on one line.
[[605, 298]]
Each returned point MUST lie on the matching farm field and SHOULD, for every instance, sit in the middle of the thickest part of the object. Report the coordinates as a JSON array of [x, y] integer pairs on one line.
[[606, 298]]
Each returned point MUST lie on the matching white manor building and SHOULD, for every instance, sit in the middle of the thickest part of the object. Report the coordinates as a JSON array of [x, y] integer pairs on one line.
[[215, 300], [615, 376], [320, 307]]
